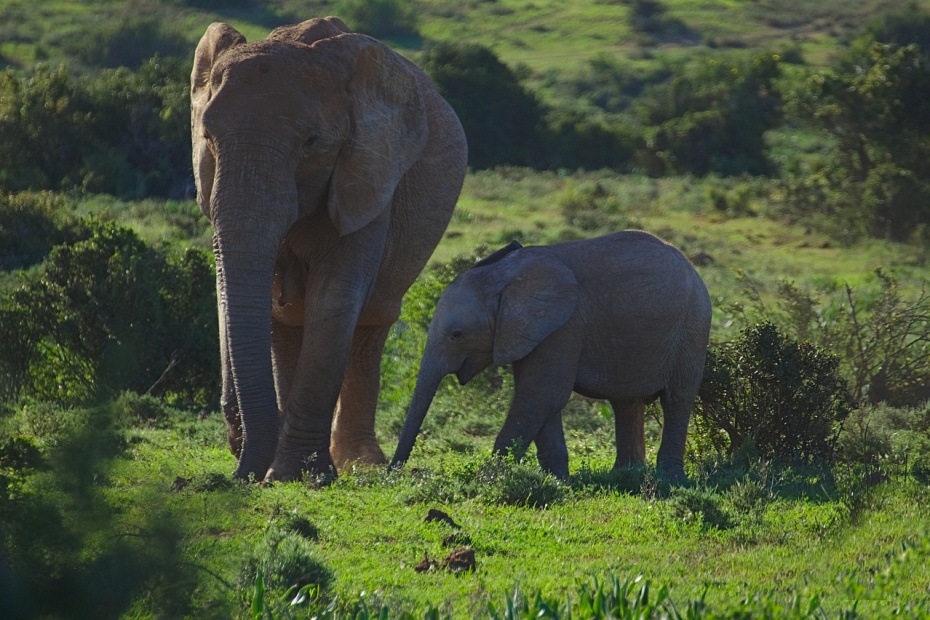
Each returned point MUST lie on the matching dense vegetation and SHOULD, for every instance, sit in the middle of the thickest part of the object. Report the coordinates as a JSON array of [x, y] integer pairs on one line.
[[782, 145]]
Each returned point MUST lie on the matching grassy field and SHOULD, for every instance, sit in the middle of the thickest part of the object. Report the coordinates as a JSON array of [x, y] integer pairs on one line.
[[744, 537], [750, 538], [145, 504]]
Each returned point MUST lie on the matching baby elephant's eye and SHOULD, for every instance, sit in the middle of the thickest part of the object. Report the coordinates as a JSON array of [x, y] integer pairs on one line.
[[456, 334]]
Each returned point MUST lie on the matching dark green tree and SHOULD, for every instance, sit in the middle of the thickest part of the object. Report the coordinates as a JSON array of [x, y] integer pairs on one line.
[[876, 179], [45, 129], [503, 122], [120, 132], [712, 115]]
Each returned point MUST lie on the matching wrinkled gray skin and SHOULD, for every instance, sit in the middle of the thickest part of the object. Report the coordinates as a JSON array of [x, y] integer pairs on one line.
[[329, 167], [624, 317]]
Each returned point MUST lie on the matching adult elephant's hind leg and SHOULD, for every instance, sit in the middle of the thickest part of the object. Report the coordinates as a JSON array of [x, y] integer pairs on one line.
[[353, 438], [629, 421]]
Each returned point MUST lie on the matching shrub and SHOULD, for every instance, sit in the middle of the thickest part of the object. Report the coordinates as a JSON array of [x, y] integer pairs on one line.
[[284, 557], [121, 132], [784, 395], [30, 225], [591, 208], [885, 436], [880, 332], [702, 506], [109, 313]]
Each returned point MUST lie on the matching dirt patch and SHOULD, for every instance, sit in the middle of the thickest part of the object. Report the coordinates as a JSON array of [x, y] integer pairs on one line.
[[461, 560]]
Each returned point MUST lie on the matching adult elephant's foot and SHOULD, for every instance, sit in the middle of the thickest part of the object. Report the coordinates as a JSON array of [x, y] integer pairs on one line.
[[345, 453], [287, 468]]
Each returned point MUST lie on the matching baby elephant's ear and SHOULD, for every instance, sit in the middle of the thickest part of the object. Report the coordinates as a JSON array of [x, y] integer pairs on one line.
[[540, 298]]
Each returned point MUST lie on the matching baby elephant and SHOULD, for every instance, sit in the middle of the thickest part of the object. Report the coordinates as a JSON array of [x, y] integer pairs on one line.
[[623, 317]]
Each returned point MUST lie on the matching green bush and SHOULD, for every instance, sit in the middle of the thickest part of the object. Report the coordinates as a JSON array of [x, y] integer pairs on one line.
[[880, 332], [120, 132], [592, 208], [784, 395], [109, 313], [284, 557], [30, 225], [379, 18]]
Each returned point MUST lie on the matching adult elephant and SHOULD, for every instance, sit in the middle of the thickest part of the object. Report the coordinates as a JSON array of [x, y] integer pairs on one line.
[[329, 167]]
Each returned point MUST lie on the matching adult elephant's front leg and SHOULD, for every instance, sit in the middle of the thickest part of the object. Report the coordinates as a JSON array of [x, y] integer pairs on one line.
[[340, 280], [354, 425]]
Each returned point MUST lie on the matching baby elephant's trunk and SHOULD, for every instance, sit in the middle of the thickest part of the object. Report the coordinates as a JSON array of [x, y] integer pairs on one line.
[[427, 384]]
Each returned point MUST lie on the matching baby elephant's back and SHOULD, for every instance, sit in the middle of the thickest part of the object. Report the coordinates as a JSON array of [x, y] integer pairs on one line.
[[634, 272], [642, 305]]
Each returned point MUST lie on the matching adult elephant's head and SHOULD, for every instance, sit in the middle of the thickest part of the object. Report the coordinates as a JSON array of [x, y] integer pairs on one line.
[[313, 119]]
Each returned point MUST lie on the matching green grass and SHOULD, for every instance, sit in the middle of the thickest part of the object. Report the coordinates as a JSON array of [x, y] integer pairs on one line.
[[757, 538], [796, 533]]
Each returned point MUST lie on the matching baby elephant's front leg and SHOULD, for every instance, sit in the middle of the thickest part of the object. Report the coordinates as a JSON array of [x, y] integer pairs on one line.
[[551, 449], [536, 414]]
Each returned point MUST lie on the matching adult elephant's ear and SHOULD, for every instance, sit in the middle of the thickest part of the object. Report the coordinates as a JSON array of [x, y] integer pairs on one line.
[[215, 40], [388, 134], [539, 299]]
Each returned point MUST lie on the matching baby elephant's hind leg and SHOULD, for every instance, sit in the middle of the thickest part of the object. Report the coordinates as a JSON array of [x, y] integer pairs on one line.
[[629, 421]]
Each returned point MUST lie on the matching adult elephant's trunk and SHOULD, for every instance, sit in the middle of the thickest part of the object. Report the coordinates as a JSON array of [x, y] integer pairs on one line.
[[249, 224], [427, 383]]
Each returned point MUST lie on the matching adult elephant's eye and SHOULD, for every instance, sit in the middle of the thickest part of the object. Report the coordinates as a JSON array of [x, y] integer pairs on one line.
[[309, 144], [456, 334]]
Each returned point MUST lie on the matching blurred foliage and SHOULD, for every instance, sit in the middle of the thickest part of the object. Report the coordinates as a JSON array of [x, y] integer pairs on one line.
[[109, 313], [128, 41], [378, 18], [784, 396], [64, 551]]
